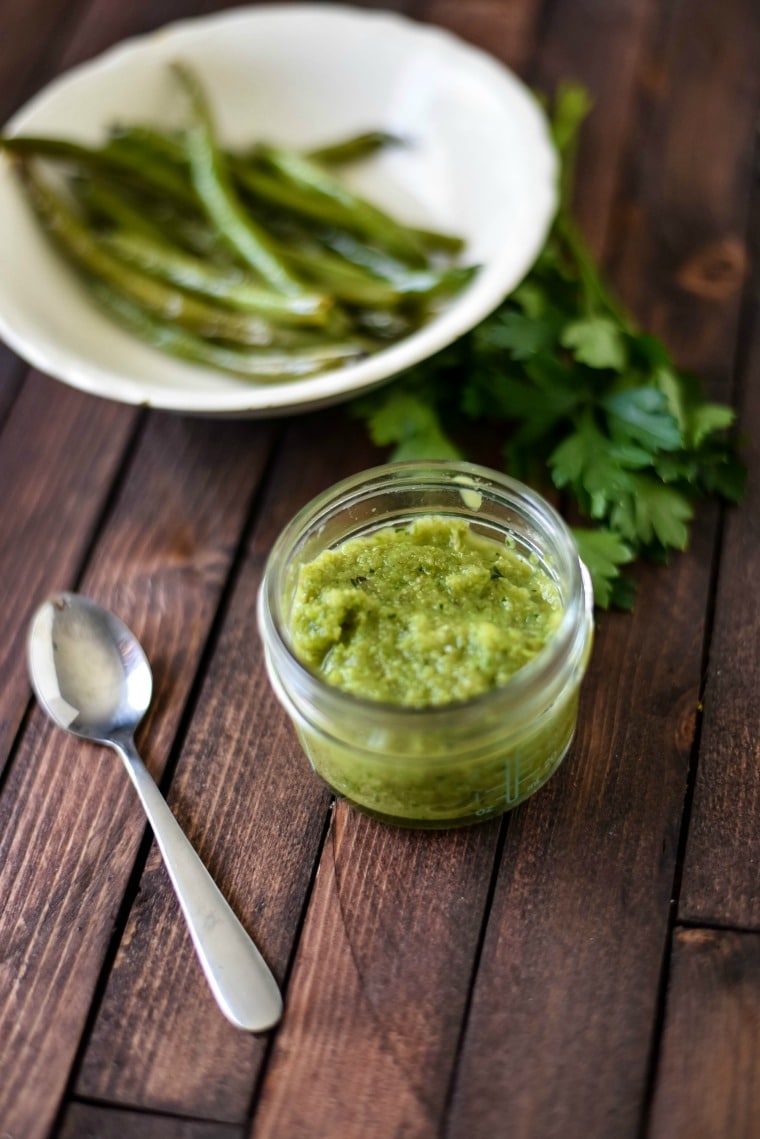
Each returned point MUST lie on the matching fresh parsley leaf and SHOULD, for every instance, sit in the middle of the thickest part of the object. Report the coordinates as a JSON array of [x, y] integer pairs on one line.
[[707, 418], [642, 415], [597, 341], [409, 423], [520, 335], [593, 467], [654, 513], [696, 417], [603, 552], [582, 397]]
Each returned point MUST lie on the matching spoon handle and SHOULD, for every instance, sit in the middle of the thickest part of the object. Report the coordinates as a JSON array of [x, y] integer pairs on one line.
[[240, 979]]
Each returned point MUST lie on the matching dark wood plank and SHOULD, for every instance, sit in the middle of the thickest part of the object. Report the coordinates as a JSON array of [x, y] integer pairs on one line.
[[34, 33], [12, 372], [709, 1079], [372, 1040], [69, 820], [566, 996], [723, 852], [567, 53], [507, 31], [59, 452], [87, 1121], [684, 208], [566, 993], [258, 824]]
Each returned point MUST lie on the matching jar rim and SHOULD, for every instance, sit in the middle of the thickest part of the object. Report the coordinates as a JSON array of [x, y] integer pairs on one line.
[[568, 639]]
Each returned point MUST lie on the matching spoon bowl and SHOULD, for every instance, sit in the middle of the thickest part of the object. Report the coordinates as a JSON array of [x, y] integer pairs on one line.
[[91, 676], [88, 670]]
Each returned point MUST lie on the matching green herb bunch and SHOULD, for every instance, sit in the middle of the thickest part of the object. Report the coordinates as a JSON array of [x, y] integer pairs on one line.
[[585, 401]]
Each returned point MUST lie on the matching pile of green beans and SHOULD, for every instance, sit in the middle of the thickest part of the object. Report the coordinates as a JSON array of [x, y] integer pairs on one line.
[[261, 263]]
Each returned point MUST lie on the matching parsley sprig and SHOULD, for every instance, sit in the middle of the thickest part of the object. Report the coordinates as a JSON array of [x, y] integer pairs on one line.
[[584, 400]]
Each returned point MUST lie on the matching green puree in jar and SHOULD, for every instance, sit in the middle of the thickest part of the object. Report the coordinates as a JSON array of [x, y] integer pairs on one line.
[[422, 615]]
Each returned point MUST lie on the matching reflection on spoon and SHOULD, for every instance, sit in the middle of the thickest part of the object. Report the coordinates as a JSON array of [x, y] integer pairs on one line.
[[92, 677]]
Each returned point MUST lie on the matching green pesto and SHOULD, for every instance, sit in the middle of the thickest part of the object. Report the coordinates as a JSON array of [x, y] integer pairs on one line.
[[422, 615]]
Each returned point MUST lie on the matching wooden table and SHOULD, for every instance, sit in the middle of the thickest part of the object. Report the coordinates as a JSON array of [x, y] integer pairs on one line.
[[587, 967]]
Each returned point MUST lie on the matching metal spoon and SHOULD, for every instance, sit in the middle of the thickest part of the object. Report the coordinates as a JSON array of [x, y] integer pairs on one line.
[[93, 679]]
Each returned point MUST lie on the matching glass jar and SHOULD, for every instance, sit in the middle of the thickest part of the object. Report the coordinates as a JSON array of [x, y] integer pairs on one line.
[[452, 764]]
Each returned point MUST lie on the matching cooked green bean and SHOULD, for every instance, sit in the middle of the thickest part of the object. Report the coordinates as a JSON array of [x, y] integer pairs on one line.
[[258, 364], [345, 150], [120, 163], [436, 241], [261, 263], [245, 168], [214, 188], [354, 149], [231, 285], [351, 211], [105, 204], [346, 282], [78, 244]]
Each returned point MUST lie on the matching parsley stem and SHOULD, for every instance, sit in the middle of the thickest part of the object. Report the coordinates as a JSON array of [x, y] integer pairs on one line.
[[594, 288]]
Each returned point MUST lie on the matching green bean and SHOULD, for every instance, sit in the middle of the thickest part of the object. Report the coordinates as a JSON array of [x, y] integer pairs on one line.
[[350, 284], [351, 211], [171, 145], [78, 244], [354, 148], [230, 285], [102, 202], [439, 281], [120, 163], [184, 222], [255, 364], [340, 279], [362, 254], [157, 143], [261, 263], [147, 159], [162, 144], [214, 188], [437, 241]]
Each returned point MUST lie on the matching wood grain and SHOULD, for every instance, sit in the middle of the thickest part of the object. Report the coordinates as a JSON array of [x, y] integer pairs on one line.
[[396, 913], [69, 822], [709, 1078], [507, 31], [12, 372], [59, 452], [566, 997], [88, 1121], [36, 29], [722, 863], [684, 211], [255, 812], [580, 41]]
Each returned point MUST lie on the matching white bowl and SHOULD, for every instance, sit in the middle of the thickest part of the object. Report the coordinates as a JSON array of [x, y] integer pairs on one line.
[[480, 164]]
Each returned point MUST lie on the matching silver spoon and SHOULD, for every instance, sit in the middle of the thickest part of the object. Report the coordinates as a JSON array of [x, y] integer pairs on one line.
[[93, 679]]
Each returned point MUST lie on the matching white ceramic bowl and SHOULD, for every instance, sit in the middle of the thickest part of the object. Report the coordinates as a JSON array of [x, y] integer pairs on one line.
[[481, 164]]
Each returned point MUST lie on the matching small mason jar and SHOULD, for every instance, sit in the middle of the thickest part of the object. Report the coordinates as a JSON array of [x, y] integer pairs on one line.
[[451, 764]]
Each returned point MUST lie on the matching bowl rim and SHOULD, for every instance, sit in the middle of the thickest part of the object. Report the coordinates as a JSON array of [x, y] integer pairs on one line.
[[489, 287]]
